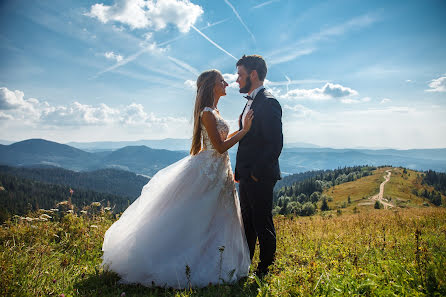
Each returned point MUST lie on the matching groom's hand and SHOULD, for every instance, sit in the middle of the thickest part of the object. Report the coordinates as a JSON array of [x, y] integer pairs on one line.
[[254, 178]]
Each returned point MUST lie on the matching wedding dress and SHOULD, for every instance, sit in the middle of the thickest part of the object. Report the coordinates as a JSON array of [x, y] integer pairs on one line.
[[186, 227]]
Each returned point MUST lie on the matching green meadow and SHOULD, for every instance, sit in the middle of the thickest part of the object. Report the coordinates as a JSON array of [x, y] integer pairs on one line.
[[354, 250]]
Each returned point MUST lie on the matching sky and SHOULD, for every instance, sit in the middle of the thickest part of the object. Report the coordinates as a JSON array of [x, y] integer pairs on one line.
[[348, 74]]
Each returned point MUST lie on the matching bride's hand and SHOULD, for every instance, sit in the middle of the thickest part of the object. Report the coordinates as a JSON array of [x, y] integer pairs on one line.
[[248, 120]]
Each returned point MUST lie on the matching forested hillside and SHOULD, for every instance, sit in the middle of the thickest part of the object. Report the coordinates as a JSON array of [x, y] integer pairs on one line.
[[301, 192], [18, 196], [111, 181]]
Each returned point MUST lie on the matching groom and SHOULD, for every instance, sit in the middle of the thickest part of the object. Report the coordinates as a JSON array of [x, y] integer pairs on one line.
[[257, 165]]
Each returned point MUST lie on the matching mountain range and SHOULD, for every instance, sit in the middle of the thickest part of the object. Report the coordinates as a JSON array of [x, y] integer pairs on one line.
[[43, 153], [147, 161]]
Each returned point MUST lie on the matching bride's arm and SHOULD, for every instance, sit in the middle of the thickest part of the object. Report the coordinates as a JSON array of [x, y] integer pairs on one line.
[[209, 122]]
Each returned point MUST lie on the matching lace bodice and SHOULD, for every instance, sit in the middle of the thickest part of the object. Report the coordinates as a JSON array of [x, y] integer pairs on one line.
[[222, 128]]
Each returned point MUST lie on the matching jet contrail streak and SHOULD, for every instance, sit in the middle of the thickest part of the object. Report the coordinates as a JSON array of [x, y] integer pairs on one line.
[[240, 19], [215, 44]]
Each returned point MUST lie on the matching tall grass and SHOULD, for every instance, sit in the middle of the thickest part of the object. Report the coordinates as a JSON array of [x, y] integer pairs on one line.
[[376, 253]]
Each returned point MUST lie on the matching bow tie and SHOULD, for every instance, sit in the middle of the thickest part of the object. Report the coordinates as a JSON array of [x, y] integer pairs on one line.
[[248, 97]]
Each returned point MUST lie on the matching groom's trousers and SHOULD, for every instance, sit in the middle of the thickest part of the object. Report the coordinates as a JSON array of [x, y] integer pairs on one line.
[[256, 201]]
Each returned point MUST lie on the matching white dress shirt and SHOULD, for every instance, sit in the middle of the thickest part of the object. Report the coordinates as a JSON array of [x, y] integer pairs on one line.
[[253, 94]]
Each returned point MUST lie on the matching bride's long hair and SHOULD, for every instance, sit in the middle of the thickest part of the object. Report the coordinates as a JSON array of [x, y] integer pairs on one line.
[[204, 98]]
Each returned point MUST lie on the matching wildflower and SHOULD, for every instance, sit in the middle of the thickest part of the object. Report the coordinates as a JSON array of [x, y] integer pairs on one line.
[[54, 280], [93, 226], [62, 295], [122, 294], [71, 191]]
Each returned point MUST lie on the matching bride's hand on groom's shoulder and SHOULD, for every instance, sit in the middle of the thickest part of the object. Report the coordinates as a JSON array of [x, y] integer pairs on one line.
[[248, 120]]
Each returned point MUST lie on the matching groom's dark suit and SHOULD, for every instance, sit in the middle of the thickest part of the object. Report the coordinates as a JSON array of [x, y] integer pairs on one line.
[[257, 155]]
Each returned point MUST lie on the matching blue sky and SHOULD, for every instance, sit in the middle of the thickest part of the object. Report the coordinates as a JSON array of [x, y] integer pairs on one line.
[[347, 73]]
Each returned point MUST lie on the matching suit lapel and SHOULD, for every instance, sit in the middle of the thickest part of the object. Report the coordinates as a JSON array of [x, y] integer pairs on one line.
[[240, 121], [257, 99]]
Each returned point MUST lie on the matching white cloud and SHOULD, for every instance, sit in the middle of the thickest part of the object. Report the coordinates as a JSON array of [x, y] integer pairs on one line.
[[355, 101], [300, 111], [78, 114], [231, 79], [10, 99], [16, 107], [5, 116], [337, 91], [140, 14], [437, 85], [385, 100], [328, 91], [190, 84], [113, 56]]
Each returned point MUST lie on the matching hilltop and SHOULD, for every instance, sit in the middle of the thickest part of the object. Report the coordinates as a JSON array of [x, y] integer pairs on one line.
[[404, 189]]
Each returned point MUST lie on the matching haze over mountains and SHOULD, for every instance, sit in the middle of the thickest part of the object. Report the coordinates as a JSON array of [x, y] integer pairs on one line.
[[142, 159]]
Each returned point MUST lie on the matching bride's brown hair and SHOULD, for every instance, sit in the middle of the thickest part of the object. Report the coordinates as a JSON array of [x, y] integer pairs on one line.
[[204, 98]]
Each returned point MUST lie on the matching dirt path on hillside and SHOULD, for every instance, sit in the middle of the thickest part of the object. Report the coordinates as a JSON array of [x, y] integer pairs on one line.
[[380, 196]]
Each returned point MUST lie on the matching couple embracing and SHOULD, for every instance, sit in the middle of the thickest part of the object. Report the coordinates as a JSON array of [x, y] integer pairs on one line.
[[189, 227]]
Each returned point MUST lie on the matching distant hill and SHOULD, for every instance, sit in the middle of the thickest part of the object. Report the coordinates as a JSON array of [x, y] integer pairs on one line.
[[406, 188], [141, 159], [111, 181], [172, 144], [43, 153], [351, 190], [294, 160]]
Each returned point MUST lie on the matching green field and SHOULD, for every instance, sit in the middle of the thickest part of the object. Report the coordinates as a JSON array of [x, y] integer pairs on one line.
[[399, 191], [375, 253]]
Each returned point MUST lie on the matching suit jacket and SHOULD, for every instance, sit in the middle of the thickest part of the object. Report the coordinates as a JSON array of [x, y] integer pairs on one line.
[[259, 150]]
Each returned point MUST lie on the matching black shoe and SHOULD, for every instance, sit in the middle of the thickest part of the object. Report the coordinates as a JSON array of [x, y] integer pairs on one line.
[[261, 273]]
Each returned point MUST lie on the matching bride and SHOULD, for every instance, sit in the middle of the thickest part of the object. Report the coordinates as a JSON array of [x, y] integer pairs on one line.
[[186, 227]]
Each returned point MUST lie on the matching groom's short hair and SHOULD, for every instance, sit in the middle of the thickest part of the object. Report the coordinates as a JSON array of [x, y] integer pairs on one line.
[[254, 62]]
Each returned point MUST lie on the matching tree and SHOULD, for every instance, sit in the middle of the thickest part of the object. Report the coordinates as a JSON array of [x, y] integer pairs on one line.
[[308, 209], [378, 205], [315, 197], [436, 199], [324, 206]]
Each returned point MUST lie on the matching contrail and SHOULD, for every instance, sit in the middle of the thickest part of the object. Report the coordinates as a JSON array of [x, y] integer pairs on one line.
[[215, 44], [214, 24], [134, 56], [288, 82], [264, 4], [240, 19], [184, 65]]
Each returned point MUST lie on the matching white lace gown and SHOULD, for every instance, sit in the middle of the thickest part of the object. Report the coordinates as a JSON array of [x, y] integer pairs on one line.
[[188, 215]]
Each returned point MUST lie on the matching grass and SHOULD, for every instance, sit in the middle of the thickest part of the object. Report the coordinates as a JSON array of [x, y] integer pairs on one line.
[[399, 189], [401, 186], [374, 253], [358, 190]]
